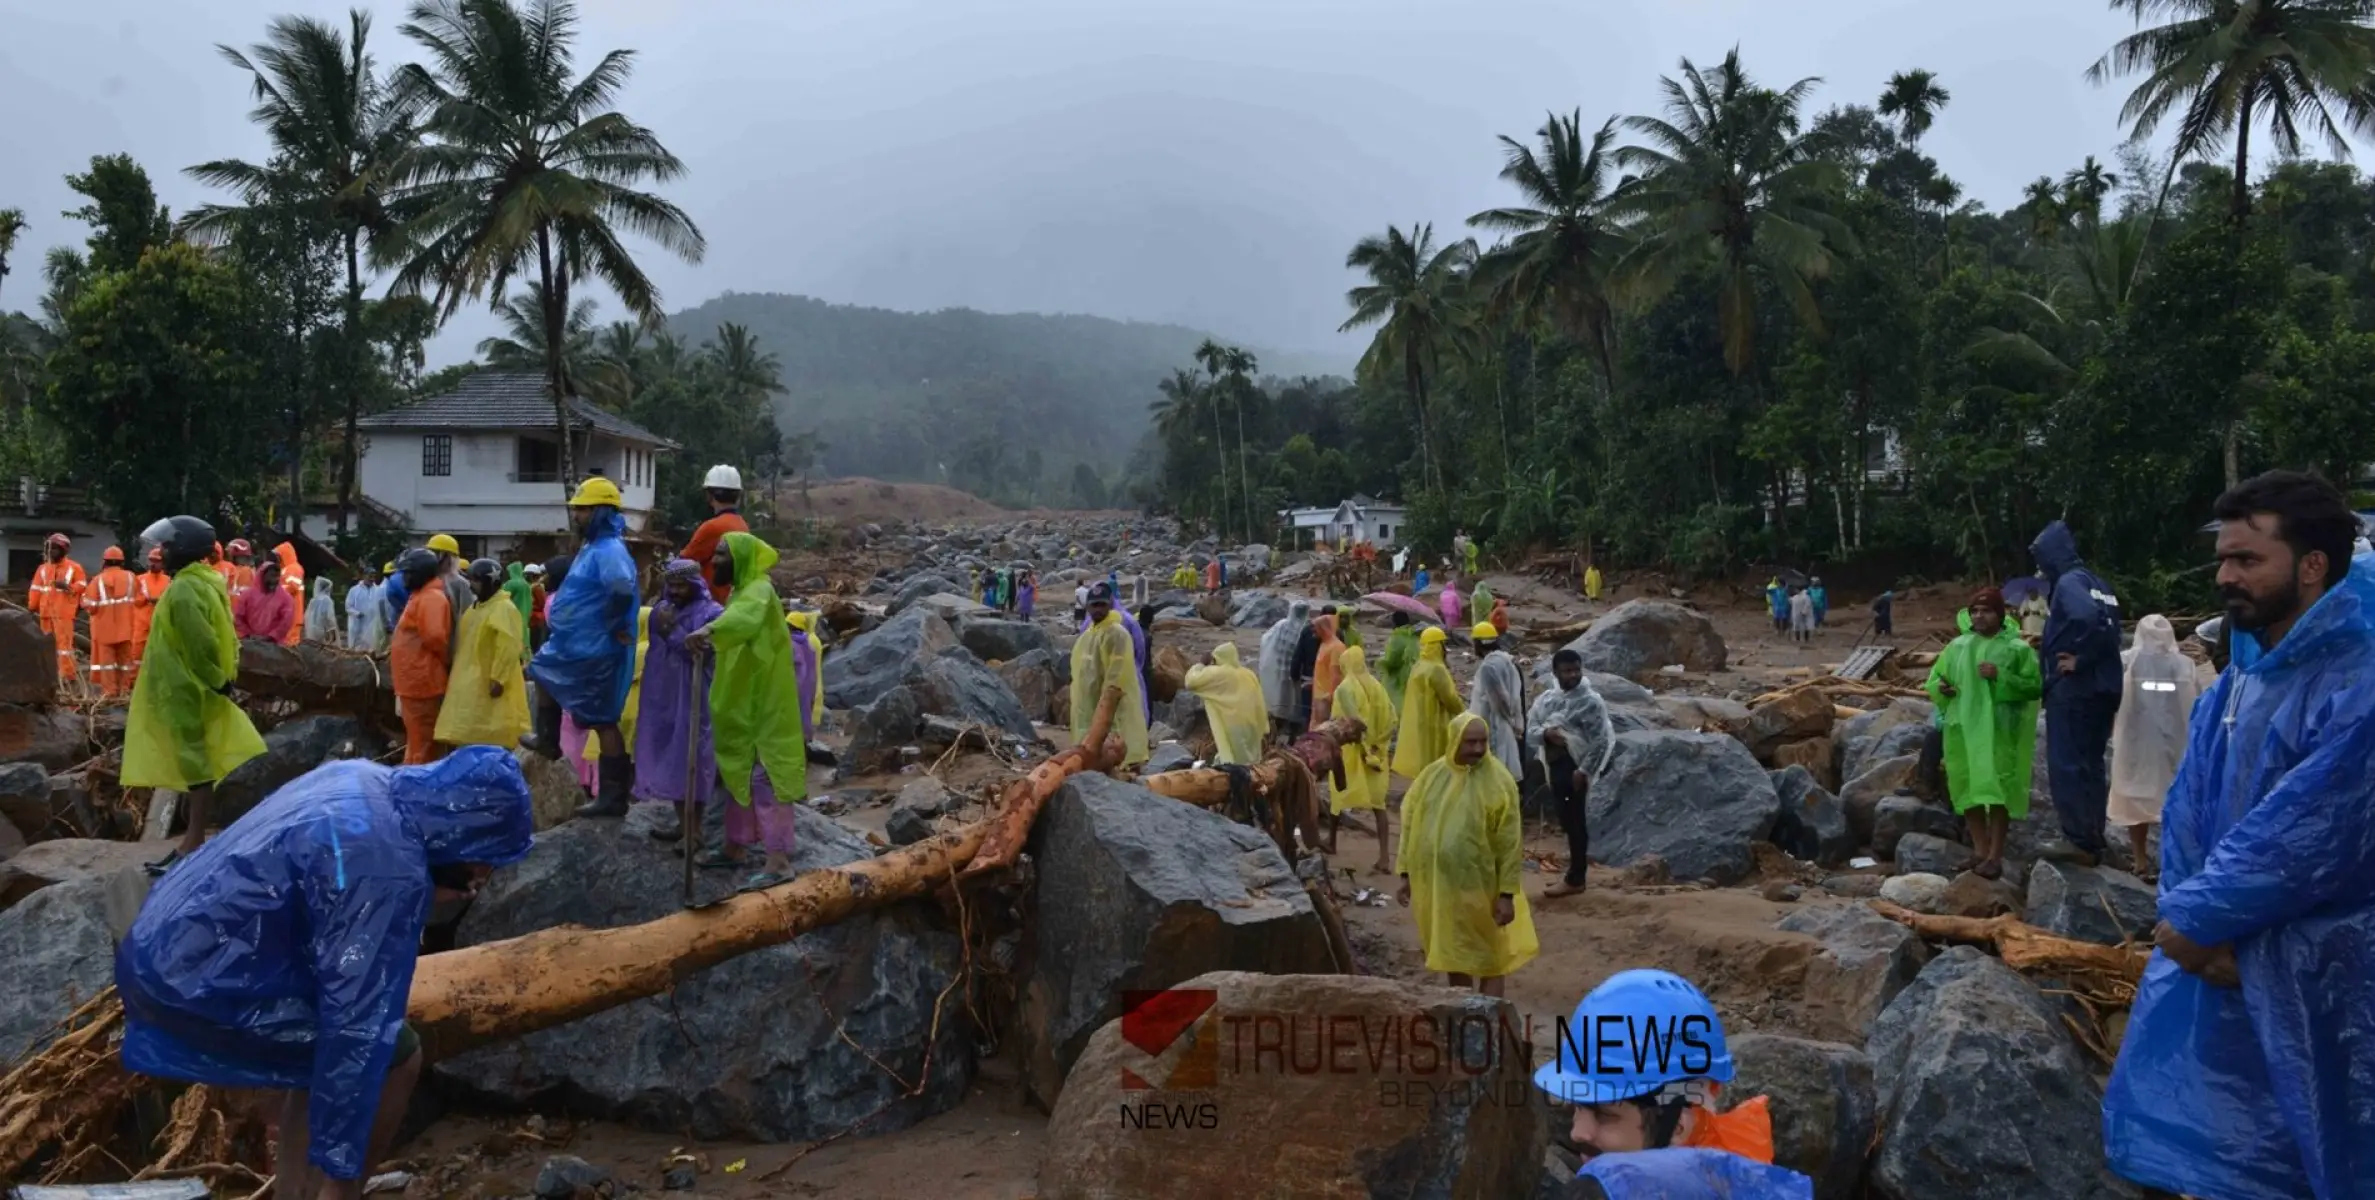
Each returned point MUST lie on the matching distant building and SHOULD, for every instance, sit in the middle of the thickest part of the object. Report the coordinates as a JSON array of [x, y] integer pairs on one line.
[[483, 463], [1359, 519], [30, 512]]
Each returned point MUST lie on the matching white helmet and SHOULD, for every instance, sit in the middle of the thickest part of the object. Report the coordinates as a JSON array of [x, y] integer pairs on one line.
[[723, 476]]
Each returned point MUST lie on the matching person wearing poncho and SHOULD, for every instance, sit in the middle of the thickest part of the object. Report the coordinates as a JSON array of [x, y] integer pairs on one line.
[[1427, 704], [1401, 654], [1592, 584], [523, 596], [812, 680], [1569, 732], [1986, 684], [2148, 736], [1348, 629], [1448, 603], [758, 723], [1277, 664], [1498, 695], [664, 729], [1326, 669], [587, 662], [1232, 699], [1366, 777], [1462, 863], [183, 731], [1107, 694], [486, 697]]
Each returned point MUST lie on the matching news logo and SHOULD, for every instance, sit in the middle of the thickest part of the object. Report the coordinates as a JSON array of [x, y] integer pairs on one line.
[[1154, 1022]]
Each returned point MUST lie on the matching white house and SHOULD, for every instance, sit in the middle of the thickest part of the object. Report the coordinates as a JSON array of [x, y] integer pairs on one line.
[[1359, 519], [483, 463], [30, 512]]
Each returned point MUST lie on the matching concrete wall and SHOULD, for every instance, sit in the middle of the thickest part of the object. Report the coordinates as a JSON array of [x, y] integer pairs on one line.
[[21, 539], [483, 495]]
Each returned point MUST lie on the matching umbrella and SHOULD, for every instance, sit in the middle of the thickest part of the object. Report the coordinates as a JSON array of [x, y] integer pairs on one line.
[[1419, 609], [2020, 587]]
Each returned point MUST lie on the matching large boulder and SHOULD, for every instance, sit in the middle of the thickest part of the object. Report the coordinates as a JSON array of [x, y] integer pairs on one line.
[[752, 1048], [28, 664], [1863, 793], [1982, 1093], [25, 802], [57, 738], [953, 608], [1823, 1102], [1181, 1098], [1698, 801], [60, 952], [1137, 893], [1925, 854], [1817, 755], [879, 730], [1032, 679], [1894, 816], [1258, 610], [1706, 714], [997, 639], [1864, 961], [291, 748], [1793, 716], [883, 658], [2092, 904], [918, 588], [1812, 824], [953, 683], [65, 860], [1641, 636], [1881, 734]]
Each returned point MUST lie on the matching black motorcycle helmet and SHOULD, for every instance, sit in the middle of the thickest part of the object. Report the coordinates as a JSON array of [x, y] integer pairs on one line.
[[418, 566], [184, 540]]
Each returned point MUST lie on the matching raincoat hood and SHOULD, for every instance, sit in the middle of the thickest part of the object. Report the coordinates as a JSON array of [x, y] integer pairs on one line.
[[2056, 551], [1225, 655], [752, 557], [516, 573], [469, 807], [2155, 635]]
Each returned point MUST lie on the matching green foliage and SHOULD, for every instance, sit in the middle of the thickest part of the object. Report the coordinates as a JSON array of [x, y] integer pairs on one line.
[[715, 400]]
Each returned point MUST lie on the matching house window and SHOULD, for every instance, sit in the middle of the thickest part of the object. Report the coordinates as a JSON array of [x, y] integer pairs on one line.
[[536, 461], [437, 454], [1384, 532]]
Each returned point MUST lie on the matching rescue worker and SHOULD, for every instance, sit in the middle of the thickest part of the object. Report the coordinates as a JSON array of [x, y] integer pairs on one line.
[[758, 720], [1276, 663], [674, 706], [110, 602], [2148, 739], [1462, 863], [1401, 654], [723, 488], [421, 655], [184, 732], [486, 696], [147, 589], [2083, 680], [587, 663], [2243, 1073], [1592, 584], [321, 615], [281, 957], [1107, 694], [292, 581], [56, 596], [1644, 1062], [804, 622], [264, 612], [242, 574]]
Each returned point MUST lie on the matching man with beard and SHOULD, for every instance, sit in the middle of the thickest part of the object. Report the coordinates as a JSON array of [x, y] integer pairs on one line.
[[2244, 1071]]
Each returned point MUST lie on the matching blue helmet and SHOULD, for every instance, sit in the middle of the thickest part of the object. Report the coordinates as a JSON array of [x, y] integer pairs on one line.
[[1634, 1034]]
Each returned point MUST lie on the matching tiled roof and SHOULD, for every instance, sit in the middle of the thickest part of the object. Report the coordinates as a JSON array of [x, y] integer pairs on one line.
[[506, 400]]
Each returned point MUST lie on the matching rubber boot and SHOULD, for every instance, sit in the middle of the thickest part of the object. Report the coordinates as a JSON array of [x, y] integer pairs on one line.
[[614, 777], [544, 739]]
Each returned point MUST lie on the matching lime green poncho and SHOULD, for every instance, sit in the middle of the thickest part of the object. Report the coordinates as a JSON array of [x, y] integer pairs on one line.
[[182, 730], [754, 699], [1991, 727]]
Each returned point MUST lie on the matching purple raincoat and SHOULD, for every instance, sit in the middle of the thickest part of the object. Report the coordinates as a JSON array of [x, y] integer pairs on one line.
[[663, 723]]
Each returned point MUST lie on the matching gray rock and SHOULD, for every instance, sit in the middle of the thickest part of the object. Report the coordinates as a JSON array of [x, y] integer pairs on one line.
[[1863, 793], [292, 748], [1253, 556], [1137, 893], [1709, 713], [1812, 823], [25, 799], [2093, 904], [955, 684], [1699, 801], [60, 953], [1258, 610], [1921, 893], [1968, 1052], [1824, 1106], [57, 738], [1796, 716], [1859, 738], [907, 826], [917, 588], [1630, 718], [879, 729], [64, 860], [1032, 679], [1865, 960], [1894, 816], [860, 671], [1170, 756], [563, 1175], [929, 796], [1641, 636], [28, 660], [996, 639], [1923, 854]]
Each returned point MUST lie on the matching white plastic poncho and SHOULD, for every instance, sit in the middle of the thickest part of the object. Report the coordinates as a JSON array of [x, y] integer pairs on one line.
[[366, 618], [2148, 737], [321, 614], [1582, 717], [1277, 663], [1499, 696]]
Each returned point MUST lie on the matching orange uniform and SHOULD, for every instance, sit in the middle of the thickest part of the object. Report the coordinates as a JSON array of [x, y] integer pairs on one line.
[[109, 600], [419, 658], [706, 538], [147, 588], [292, 581], [56, 595]]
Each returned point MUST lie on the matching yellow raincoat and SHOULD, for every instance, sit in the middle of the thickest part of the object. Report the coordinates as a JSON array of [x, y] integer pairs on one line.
[[486, 649], [754, 699], [805, 622], [1232, 698], [1428, 700], [1103, 656], [182, 731], [1363, 697], [1591, 583], [1460, 850]]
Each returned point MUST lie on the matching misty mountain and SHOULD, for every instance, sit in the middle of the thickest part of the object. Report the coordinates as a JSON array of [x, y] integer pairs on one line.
[[901, 396]]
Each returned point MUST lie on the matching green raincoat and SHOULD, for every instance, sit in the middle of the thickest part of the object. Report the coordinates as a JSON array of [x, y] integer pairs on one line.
[[1991, 727], [754, 698], [1401, 654], [515, 585], [182, 730]]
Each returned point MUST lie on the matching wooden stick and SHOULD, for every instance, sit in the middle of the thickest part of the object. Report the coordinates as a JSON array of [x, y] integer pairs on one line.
[[2023, 946]]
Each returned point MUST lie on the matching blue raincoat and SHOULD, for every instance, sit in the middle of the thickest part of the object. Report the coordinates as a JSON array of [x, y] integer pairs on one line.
[[393, 595], [587, 662], [280, 955], [1693, 1174], [2083, 620], [2268, 843]]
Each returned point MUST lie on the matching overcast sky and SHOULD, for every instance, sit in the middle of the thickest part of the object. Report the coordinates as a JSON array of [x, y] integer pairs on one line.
[[1206, 162]]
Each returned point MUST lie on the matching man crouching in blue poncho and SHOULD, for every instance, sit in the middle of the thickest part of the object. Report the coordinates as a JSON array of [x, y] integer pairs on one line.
[[2248, 1069], [280, 954]]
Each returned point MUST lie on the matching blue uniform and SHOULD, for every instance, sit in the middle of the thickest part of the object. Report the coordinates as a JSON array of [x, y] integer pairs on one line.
[[280, 955], [587, 662], [1693, 1174], [2083, 622]]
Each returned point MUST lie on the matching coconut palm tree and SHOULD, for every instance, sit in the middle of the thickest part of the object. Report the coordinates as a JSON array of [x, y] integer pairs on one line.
[[1186, 399], [526, 170], [520, 347], [1728, 182], [1417, 297], [12, 227], [335, 138], [748, 376], [1914, 98], [2086, 186], [1564, 242], [2042, 199], [2225, 66]]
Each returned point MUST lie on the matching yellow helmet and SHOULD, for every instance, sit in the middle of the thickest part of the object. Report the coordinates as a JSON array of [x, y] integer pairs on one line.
[[800, 619], [1484, 632], [597, 490], [444, 543], [388, 567]]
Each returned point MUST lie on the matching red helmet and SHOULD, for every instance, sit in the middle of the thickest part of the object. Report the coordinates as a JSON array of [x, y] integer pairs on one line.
[[115, 554], [239, 546], [59, 540]]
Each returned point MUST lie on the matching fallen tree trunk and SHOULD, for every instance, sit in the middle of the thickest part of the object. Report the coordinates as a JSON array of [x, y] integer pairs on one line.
[[318, 678], [2023, 946], [1010, 829]]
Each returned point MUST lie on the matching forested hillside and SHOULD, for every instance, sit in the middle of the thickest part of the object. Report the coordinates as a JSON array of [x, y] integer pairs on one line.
[[994, 403]]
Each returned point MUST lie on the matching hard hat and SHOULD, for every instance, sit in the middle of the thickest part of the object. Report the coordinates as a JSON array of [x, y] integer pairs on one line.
[[723, 477], [1669, 1032], [388, 568], [239, 546], [1432, 636], [59, 540], [800, 619], [112, 554], [444, 543], [533, 570], [1484, 632], [188, 538], [596, 490]]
